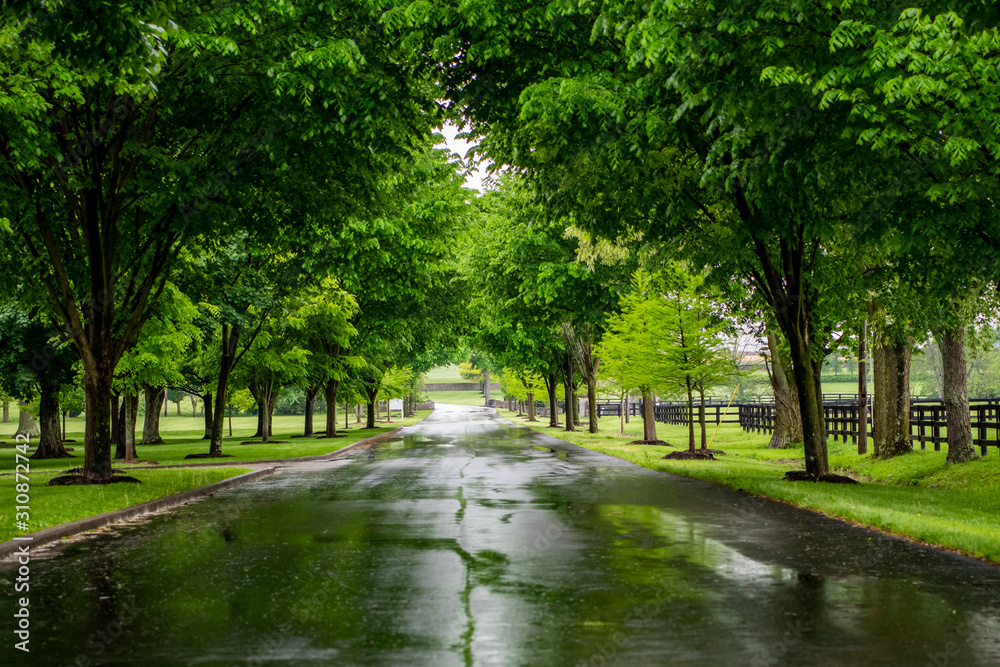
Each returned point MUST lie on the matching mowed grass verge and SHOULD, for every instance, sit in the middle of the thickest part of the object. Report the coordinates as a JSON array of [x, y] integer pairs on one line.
[[918, 495], [52, 505]]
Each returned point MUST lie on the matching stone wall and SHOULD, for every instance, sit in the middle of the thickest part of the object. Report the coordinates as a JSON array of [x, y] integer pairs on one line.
[[458, 386]]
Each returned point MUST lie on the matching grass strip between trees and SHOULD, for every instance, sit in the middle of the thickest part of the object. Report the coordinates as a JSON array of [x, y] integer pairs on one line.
[[53, 505], [917, 495]]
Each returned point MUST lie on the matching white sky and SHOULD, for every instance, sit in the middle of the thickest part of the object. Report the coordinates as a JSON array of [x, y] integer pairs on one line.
[[474, 180]]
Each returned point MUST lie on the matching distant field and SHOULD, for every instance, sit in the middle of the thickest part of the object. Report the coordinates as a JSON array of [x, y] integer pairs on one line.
[[459, 397], [444, 374]]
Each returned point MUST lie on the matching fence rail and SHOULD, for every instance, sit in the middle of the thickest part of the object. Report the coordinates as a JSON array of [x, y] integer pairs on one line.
[[928, 421], [928, 417]]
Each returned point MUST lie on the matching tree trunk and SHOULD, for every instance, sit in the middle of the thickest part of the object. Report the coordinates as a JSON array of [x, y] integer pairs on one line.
[[811, 406], [592, 401], [207, 414], [26, 424], [331, 407], [97, 435], [531, 407], [863, 388], [50, 444], [690, 415], [787, 416], [310, 400], [129, 412], [347, 415], [551, 383], [701, 418], [486, 387], [891, 408], [6, 412], [371, 394], [194, 405], [151, 420], [118, 430], [622, 410], [166, 403], [258, 398], [178, 404], [786, 286], [272, 401], [956, 397], [568, 392], [648, 416], [230, 338]]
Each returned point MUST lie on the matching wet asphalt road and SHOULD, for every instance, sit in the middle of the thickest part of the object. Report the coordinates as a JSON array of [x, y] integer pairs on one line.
[[470, 541]]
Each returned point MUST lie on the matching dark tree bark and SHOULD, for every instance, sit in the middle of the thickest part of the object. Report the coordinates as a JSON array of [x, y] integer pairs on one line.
[[551, 385], [265, 396], [787, 416], [151, 420], [129, 411], [97, 457], [26, 424], [956, 397], [50, 444], [208, 416], [592, 401], [891, 408], [311, 393], [230, 339], [486, 387], [531, 407], [581, 346], [371, 392], [166, 403], [6, 412], [648, 416], [785, 284], [258, 398], [330, 392]]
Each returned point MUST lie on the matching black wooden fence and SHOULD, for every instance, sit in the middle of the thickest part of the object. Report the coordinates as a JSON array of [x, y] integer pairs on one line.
[[928, 421], [928, 418]]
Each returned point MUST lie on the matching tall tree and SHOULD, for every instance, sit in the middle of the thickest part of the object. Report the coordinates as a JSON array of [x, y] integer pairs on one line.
[[118, 152]]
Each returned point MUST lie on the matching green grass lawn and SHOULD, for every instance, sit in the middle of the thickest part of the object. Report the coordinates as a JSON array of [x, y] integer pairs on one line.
[[917, 495], [459, 397], [54, 505], [183, 437], [444, 374]]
